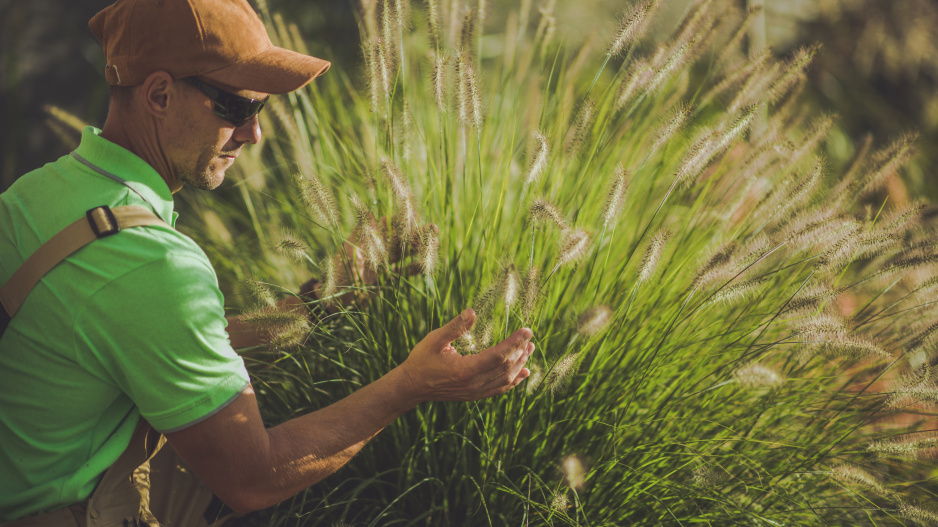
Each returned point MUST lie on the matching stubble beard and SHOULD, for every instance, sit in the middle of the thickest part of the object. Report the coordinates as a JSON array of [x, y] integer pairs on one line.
[[207, 174]]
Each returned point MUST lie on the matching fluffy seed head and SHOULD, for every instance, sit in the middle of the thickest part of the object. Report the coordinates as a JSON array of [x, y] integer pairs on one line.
[[582, 123], [676, 59], [538, 159], [406, 221], [710, 270], [911, 259], [289, 336], [428, 252], [467, 342], [574, 471], [594, 320], [698, 156], [912, 447], [671, 125], [261, 292], [486, 301], [373, 244], [329, 286], [562, 371], [653, 255], [317, 198], [709, 475], [560, 501], [511, 286], [799, 190], [534, 380], [843, 251], [914, 388], [462, 88], [811, 297], [438, 80], [925, 336], [547, 26], [839, 345], [615, 198], [531, 287], [542, 212], [821, 324], [433, 19], [793, 71], [758, 376], [359, 209], [573, 246], [734, 293], [467, 32], [379, 73], [390, 32], [818, 132], [474, 96], [282, 328], [632, 27], [396, 179], [291, 246], [919, 515], [272, 317], [855, 476], [887, 161], [755, 66], [738, 128], [640, 74], [732, 45]]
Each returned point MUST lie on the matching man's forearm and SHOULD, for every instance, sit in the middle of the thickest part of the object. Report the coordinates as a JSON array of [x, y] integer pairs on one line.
[[330, 437], [283, 460], [250, 468]]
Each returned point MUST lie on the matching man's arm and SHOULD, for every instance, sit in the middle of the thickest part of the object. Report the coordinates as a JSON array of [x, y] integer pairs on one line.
[[250, 467]]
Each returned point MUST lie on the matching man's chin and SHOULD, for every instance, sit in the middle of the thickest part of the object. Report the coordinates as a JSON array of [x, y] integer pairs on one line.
[[207, 180]]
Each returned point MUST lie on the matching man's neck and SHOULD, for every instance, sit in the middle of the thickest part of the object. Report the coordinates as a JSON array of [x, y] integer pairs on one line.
[[139, 138]]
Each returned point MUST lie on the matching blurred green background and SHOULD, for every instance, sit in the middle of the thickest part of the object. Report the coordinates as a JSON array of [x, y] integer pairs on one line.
[[877, 70]]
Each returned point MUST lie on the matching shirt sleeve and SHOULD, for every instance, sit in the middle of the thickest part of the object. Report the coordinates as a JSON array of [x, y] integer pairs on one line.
[[158, 334]]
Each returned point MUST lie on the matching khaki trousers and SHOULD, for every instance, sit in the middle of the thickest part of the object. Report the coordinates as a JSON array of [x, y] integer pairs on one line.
[[148, 486]]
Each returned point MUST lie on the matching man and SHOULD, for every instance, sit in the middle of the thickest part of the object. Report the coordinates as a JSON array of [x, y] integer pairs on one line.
[[130, 329]]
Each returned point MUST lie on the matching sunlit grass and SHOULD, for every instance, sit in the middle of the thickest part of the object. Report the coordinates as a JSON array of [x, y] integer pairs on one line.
[[723, 327]]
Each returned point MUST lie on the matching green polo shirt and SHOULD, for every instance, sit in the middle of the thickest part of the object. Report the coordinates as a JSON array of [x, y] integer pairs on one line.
[[131, 325]]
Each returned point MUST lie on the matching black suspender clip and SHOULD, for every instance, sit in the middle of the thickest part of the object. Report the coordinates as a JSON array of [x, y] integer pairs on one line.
[[102, 221]]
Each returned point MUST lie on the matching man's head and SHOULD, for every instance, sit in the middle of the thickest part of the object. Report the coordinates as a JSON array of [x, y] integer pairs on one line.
[[188, 78]]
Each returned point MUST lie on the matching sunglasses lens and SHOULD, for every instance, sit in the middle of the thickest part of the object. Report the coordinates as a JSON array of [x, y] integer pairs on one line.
[[240, 111]]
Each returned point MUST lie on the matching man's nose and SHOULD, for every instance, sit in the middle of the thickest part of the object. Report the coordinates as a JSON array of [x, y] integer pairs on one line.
[[249, 132]]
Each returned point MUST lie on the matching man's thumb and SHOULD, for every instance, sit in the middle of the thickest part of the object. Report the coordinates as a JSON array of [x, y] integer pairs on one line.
[[458, 326]]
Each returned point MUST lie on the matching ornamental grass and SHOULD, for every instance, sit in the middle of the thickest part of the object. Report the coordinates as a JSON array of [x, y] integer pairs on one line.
[[730, 328]]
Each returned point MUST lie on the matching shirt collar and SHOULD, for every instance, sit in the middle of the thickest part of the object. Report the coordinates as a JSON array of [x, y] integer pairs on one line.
[[127, 165]]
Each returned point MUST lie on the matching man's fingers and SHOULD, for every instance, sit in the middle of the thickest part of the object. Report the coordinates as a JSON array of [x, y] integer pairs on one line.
[[508, 371], [523, 374], [497, 355], [455, 328]]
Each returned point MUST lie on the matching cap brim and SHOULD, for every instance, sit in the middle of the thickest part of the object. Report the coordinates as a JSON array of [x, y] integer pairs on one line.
[[275, 70]]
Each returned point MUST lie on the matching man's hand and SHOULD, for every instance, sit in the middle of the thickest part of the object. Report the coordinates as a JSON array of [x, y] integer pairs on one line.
[[437, 372]]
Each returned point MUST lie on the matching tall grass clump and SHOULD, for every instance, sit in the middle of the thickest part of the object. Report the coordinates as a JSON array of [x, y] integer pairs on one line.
[[728, 330]]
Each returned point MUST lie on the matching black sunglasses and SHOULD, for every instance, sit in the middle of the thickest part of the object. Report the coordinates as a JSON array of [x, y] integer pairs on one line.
[[233, 108]]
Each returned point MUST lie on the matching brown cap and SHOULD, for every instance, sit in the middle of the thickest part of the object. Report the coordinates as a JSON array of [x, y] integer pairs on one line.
[[219, 40]]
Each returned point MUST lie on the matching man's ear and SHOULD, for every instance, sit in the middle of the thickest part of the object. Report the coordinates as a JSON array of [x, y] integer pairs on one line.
[[158, 93]]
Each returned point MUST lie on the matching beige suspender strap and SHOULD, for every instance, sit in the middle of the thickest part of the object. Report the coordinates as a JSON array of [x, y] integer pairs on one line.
[[98, 223]]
